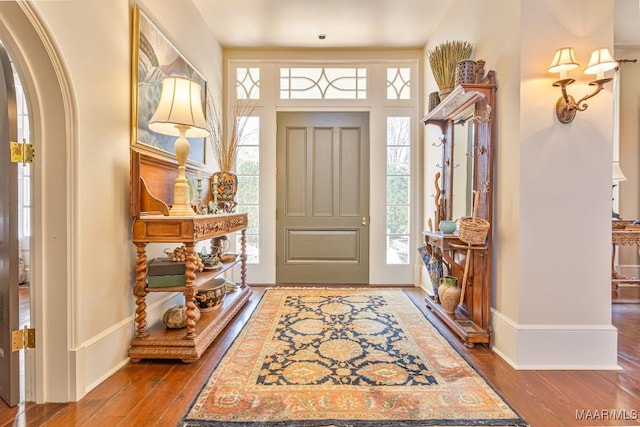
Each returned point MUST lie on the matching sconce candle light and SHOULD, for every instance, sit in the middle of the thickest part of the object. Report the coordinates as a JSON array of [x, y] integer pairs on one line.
[[564, 61]]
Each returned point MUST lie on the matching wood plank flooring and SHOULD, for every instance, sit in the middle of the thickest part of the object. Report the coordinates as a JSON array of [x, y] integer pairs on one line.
[[158, 393]]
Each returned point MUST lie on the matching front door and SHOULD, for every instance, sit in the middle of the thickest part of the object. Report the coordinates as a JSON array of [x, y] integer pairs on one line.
[[322, 198], [9, 362]]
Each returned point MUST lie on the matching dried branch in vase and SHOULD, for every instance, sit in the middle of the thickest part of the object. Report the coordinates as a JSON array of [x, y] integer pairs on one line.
[[226, 139]]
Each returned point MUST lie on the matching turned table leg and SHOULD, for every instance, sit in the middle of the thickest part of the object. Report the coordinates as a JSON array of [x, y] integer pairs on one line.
[[190, 290], [139, 291], [243, 254]]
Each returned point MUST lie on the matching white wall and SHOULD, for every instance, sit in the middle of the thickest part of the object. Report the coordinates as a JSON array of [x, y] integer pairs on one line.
[[97, 55], [551, 294]]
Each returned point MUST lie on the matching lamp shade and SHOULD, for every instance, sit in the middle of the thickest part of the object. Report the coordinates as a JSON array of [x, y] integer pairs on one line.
[[617, 174], [600, 62], [180, 104], [563, 61]]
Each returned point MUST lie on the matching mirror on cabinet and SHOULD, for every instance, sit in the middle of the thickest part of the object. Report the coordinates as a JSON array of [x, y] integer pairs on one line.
[[462, 160]]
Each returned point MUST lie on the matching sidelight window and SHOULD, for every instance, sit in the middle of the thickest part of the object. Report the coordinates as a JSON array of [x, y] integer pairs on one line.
[[398, 185], [248, 172]]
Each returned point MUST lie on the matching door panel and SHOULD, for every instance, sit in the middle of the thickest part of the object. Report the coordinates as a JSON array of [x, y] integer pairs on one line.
[[323, 198], [9, 362], [350, 173], [296, 178], [322, 246], [322, 172]]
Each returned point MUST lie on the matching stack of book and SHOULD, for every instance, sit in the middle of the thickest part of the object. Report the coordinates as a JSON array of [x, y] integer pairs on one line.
[[163, 273]]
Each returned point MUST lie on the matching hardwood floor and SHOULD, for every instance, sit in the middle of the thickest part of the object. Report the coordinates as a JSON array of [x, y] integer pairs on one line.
[[158, 393]]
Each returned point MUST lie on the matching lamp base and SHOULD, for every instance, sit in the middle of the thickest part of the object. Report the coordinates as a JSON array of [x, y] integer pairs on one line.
[[563, 112], [181, 210], [181, 200]]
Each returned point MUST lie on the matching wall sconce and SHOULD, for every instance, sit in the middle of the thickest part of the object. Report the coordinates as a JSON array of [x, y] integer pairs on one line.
[[564, 61]]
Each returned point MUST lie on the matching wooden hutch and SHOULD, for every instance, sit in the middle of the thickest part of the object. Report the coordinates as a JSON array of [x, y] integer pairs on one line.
[[152, 180], [467, 103]]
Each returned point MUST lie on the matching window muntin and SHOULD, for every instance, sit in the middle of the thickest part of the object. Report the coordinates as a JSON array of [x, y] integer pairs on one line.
[[398, 83], [247, 83], [323, 83]]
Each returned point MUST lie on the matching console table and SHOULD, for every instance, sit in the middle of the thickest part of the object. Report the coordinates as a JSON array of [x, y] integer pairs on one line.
[[622, 235], [152, 179], [158, 342]]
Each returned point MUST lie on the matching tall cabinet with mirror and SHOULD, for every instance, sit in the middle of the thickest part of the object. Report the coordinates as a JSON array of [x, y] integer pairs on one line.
[[465, 178]]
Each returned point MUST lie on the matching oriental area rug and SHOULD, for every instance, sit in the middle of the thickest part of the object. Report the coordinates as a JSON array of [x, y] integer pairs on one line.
[[344, 357]]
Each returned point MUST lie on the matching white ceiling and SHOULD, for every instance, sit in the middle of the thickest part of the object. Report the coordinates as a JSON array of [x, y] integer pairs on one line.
[[351, 23], [346, 23]]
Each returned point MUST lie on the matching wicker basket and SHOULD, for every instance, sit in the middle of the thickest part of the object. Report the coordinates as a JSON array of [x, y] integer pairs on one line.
[[473, 231]]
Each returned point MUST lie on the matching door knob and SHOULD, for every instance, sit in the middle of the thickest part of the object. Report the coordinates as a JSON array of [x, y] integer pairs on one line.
[[364, 220]]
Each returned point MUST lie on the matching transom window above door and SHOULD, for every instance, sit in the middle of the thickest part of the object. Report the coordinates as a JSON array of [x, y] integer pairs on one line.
[[323, 83]]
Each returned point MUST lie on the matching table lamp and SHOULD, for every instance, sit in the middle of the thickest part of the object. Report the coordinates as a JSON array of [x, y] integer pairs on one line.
[[180, 114], [617, 176]]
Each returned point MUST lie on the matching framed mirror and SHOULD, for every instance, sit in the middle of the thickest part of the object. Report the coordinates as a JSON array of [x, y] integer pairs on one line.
[[462, 165]]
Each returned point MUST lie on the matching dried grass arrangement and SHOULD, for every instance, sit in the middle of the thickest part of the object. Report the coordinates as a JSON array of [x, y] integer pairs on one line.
[[225, 144], [443, 59]]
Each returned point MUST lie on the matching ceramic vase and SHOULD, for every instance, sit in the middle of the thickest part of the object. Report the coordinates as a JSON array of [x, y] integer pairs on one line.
[[225, 187], [449, 294]]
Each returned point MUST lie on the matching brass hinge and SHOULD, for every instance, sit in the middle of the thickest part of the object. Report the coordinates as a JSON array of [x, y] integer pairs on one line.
[[23, 338], [21, 152]]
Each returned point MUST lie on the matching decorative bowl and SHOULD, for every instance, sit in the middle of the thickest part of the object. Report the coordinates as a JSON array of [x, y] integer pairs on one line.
[[447, 227], [210, 294]]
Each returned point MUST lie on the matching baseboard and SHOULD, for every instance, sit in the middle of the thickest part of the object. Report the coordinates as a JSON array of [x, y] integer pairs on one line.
[[99, 357], [555, 347], [425, 280]]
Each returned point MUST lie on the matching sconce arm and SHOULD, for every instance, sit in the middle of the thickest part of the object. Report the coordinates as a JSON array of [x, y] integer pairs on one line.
[[562, 84], [566, 106], [580, 105]]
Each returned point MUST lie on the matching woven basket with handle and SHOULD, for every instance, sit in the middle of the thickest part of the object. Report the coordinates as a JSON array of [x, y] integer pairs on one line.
[[473, 231]]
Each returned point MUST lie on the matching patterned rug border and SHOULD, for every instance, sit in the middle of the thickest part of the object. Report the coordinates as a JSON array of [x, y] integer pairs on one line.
[[514, 422], [466, 359]]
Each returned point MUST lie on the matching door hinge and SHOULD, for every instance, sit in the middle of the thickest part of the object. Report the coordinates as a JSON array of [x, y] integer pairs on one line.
[[23, 338], [21, 152]]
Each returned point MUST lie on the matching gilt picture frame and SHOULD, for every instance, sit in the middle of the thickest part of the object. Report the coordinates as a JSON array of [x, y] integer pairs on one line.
[[154, 58]]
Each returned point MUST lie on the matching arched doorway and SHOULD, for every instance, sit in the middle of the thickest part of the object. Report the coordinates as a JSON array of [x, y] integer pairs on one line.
[[48, 378]]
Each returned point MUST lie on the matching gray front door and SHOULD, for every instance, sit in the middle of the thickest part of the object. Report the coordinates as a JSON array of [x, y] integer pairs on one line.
[[9, 362], [323, 198]]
